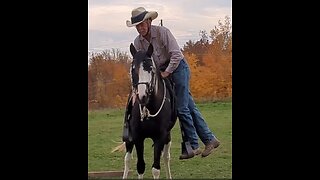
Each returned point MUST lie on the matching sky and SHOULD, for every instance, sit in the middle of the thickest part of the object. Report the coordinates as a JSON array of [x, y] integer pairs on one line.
[[185, 19]]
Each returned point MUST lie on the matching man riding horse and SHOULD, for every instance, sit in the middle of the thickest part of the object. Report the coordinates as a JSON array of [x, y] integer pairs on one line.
[[170, 60]]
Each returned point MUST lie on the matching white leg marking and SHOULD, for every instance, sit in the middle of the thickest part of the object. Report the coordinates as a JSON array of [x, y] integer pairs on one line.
[[140, 176], [155, 173], [127, 158], [166, 159]]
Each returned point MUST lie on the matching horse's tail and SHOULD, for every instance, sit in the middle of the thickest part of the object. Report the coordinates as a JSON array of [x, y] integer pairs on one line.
[[121, 147]]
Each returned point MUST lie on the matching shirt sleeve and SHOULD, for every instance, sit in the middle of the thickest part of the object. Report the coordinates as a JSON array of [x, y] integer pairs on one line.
[[174, 50]]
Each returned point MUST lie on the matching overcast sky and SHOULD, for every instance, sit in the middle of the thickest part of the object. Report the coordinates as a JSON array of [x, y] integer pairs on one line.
[[184, 18]]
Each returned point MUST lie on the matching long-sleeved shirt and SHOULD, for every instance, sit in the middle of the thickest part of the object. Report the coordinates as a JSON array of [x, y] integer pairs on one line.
[[165, 47]]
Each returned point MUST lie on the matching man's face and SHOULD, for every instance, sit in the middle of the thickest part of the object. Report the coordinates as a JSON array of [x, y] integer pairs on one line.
[[142, 28]]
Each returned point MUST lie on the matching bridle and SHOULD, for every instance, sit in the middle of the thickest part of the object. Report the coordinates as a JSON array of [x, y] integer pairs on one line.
[[150, 88]]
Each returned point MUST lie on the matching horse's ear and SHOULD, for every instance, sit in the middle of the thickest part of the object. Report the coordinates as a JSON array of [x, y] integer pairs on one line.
[[132, 49], [150, 50]]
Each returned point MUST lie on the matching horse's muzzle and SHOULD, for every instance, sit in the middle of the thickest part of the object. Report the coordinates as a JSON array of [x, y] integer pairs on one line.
[[143, 100]]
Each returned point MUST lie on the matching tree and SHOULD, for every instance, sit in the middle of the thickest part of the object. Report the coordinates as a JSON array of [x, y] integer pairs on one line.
[[222, 33], [108, 78], [204, 39]]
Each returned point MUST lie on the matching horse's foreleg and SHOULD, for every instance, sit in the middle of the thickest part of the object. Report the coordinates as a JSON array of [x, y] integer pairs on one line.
[[127, 158], [140, 161], [166, 159], [158, 147]]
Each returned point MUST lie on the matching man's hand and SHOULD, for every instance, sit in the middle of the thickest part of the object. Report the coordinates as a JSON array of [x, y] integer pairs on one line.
[[164, 74]]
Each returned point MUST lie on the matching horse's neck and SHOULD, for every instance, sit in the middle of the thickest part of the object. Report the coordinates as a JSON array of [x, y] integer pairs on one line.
[[158, 92], [159, 87]]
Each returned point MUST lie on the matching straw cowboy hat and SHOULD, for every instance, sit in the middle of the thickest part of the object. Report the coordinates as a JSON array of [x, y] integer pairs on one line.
[[140, 14]]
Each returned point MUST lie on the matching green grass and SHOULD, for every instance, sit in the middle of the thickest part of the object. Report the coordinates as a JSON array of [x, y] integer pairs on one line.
[[105, 131]]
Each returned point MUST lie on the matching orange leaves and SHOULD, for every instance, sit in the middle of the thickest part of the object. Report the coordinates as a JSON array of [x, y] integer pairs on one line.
[[211, 76], [108, 81]]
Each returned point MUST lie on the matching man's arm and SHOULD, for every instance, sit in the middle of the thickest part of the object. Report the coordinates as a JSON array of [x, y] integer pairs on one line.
[[174, 50]]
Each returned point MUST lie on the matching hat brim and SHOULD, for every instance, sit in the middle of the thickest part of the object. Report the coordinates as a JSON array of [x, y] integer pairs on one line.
[[152, 14]]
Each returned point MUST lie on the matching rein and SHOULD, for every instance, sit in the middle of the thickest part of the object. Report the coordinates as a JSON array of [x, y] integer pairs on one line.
[[145, 111]]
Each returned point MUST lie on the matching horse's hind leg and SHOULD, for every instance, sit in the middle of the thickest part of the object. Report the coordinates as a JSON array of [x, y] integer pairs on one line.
[[127, 158], [166, 159]]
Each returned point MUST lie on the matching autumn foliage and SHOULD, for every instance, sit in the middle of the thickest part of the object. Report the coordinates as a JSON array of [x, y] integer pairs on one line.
[[210, 63], [108, 79]]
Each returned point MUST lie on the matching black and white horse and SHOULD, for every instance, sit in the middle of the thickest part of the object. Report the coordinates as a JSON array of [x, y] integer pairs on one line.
[[152, 114]]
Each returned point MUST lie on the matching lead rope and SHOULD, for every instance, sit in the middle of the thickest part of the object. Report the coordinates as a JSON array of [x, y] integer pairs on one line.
[[146, 113]]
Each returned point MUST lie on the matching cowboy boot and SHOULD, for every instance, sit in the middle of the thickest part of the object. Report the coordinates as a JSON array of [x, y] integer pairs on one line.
[[186, 151]]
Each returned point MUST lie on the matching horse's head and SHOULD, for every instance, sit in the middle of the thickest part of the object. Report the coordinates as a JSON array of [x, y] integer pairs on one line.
[[143, 70]]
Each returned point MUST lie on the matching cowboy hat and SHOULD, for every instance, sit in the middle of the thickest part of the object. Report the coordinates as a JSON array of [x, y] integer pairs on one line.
[[140, 14]]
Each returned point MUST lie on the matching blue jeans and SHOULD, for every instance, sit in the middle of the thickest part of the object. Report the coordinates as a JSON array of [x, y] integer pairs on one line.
[[189, 116]]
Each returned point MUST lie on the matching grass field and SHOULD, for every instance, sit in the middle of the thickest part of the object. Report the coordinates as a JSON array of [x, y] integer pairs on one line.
[[105, 131]]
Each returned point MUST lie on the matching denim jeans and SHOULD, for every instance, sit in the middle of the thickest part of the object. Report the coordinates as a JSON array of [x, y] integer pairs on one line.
[[189, 116]]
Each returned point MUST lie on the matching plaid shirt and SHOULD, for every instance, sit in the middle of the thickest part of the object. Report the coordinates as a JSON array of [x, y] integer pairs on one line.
[[165, 47]]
